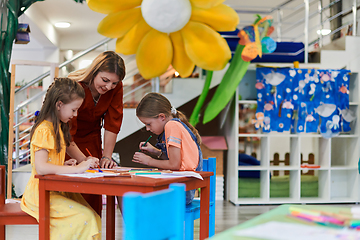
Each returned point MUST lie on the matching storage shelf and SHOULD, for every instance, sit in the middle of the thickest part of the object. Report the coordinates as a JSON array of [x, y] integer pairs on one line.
[[297, 135], [336, 181], [315, 169], [344, 168], [252, 135], [247, 102], [285, 168], [252, 168], [345, 135]]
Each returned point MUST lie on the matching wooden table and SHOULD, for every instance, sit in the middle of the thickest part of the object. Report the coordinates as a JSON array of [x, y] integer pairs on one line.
[[117, 186]]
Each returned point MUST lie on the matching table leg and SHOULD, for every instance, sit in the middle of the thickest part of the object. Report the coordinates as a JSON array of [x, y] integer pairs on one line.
[[44, 212], [204, 210], [110, 217]]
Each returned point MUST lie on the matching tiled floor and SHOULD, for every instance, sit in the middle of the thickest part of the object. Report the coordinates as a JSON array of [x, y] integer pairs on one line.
[[227, 216]]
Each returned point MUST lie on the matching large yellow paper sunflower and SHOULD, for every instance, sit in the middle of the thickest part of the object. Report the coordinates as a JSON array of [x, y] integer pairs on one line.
[[163, 32]]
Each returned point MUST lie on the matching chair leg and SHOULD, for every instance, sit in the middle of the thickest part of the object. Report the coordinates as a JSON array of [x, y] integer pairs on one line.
[[189, 226], [212, 221], [2, 232]]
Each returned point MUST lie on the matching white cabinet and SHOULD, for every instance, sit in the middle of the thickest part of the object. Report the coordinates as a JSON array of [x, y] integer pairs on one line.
[[336, 181]]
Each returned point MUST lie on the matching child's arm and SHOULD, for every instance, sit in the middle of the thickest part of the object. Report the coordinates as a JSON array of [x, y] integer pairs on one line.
[[173, 163], [43, 167]]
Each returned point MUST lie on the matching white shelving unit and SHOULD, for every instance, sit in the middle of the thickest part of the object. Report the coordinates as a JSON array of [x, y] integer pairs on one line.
[[338, 157]]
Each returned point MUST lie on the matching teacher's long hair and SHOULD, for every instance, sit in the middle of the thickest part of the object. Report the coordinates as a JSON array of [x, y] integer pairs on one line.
[[65, 90], [108, 61]]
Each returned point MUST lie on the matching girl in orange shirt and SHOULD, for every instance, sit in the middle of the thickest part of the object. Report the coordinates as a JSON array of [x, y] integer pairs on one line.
[[178, 146]]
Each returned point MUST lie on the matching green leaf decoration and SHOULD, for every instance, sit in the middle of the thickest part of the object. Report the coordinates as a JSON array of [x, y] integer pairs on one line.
[[195, 116], [227, 86]]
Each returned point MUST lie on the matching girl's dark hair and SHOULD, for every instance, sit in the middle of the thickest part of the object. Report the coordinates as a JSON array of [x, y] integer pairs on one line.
[[108, 61], [152, 104], [65, 90]]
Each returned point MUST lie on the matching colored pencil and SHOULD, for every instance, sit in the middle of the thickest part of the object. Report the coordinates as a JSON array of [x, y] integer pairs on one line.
[[91, 156], [145, 142]]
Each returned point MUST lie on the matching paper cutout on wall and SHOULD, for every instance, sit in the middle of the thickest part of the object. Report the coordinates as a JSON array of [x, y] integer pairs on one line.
[[303, 100]]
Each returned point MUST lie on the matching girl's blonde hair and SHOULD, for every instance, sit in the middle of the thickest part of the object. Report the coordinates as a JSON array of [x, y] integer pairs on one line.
[[152, 104], [108, 61], [65, 90]]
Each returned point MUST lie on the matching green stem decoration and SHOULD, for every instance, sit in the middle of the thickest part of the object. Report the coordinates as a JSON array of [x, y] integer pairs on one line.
[[227, 86], [195, 116]]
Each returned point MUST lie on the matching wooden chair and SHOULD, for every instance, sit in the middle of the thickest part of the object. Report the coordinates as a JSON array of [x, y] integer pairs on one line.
[[154, 216], [193, 209], [10, 213]]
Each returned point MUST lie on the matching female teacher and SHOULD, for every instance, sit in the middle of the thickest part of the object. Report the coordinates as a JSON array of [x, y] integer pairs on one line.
[[102, 107]]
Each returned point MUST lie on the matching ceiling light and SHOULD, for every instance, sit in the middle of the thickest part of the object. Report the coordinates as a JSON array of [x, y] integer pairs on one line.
[[62, 24], [323, 32]]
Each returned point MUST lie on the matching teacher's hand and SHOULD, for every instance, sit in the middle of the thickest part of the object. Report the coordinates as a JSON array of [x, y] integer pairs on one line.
[[106, 162]]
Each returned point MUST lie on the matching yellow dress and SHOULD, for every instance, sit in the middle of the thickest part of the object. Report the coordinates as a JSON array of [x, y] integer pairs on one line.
[[71, 217]]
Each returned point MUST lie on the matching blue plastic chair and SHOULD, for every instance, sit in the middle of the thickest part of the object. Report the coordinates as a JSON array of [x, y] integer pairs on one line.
[[154, 216], [193, 209]]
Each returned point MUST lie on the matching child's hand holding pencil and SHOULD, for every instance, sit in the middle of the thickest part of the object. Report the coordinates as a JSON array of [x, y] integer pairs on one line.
[[97, 163], [146, 147], [144, 144]]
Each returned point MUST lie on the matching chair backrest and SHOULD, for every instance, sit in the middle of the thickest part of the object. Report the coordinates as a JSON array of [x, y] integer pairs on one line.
[[2, 185], [209, 165], [154, 216]]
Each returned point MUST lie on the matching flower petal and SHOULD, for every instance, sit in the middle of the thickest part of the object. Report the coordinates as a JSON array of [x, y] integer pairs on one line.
[[130, 42], [220, 17], [205, 3], [111, 6], [116, 25], [181, 62], [205, 47], [154, 54]]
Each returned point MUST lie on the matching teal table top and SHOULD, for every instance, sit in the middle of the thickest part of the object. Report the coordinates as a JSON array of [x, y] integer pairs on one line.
[[278, 214]]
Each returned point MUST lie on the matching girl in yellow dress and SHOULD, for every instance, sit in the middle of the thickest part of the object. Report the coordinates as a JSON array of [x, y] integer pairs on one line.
[[71, 217]]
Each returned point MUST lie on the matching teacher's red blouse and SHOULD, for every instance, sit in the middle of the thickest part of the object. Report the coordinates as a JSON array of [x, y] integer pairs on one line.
[[86, 127]]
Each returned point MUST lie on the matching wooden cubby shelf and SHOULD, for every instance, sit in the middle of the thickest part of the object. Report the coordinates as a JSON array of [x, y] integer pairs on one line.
[[280, 178]]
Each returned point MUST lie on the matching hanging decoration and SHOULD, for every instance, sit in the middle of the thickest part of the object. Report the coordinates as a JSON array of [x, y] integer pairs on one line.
[[23, 34], [303, 100], [182, 33]]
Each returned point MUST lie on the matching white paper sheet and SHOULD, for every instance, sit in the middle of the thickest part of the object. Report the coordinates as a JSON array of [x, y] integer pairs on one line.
[[184, 174], [293, 231], [174, 174], [157, 176], [89, 174]]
